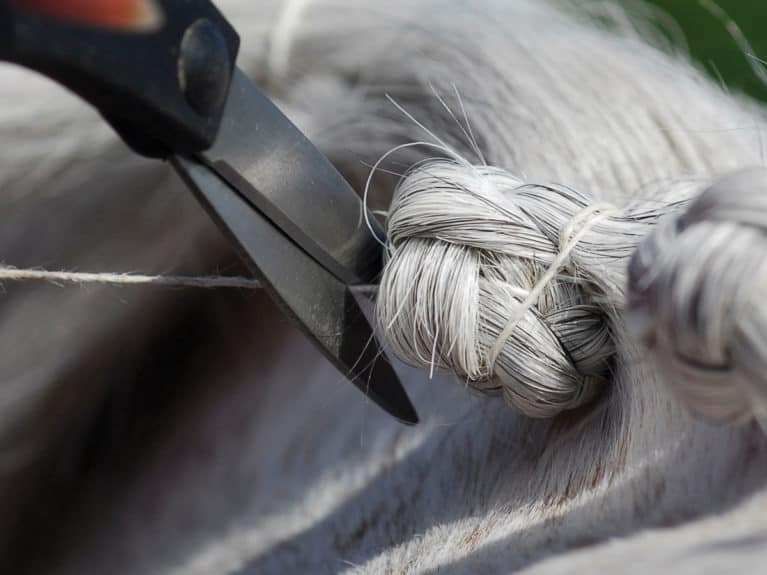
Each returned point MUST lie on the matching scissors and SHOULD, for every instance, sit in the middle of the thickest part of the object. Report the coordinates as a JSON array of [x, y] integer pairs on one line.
[[164, 76]]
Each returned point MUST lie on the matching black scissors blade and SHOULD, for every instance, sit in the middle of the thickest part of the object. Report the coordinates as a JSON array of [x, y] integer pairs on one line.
[[301, 227], [278, 170], [318, 302]]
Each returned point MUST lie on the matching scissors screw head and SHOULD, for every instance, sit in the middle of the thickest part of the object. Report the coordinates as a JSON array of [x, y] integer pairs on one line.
[[204, 67]]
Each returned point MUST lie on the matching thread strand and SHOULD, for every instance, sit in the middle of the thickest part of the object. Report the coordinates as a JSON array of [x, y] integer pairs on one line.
[[585, 220], [9, 273]]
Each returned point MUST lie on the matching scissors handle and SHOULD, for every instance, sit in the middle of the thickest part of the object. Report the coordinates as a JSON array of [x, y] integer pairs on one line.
[[161, 82]]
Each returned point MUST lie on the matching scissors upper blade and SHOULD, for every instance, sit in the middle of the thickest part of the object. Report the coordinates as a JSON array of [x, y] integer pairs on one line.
[[270, 162]]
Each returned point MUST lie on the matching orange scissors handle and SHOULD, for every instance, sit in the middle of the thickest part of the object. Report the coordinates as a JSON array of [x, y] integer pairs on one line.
[[118, 14], [159, 73]]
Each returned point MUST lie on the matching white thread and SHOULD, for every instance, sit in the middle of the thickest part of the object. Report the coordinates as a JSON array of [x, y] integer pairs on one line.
[[8, 273], [587, 218]]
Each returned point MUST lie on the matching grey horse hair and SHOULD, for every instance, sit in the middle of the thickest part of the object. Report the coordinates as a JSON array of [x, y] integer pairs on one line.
[[148, 430]]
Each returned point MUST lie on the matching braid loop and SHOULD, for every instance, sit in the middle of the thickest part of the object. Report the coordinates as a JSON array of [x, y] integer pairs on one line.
[[697, 288]]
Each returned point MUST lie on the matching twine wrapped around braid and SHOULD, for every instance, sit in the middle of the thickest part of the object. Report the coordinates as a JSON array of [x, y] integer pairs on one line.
[[509, 285], [697, 288]]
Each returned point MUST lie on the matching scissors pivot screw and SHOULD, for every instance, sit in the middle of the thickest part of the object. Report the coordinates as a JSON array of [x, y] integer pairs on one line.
[[204, 67]]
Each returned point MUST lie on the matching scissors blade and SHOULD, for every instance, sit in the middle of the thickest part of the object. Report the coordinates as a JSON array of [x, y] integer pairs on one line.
[[318, 302], [271, 163]]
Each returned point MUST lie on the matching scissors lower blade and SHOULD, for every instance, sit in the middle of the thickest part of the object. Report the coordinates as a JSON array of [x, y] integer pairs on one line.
[[320, 304]]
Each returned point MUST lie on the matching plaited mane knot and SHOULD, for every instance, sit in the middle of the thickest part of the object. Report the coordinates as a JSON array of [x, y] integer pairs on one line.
[[483, 279], [696, 297]]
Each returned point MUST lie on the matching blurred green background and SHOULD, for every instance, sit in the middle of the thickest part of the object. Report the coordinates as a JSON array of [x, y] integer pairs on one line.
[[714, 48]]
